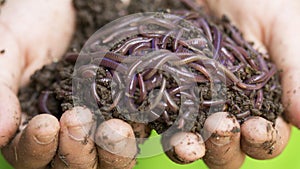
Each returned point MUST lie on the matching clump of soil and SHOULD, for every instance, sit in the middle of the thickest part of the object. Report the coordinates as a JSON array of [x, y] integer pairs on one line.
[[167, 78]]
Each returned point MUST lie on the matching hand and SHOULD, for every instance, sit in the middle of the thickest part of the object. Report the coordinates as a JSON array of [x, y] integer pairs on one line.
[[36, 145], [34, 33], [271, 27]]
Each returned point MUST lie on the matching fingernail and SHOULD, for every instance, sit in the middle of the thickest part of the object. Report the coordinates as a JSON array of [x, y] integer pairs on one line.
[[79, 121], [47, 139], [77, 133]]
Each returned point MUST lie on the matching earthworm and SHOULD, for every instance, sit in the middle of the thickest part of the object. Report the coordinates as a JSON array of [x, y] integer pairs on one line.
[[173, 106], [186, 75], [213, 102], [154, 82], [217, 42], [238, 55], [188, 46], [257, 78], [143, 91], [191, 16], [133, 69], [110, 64], [88, 71], [71, 57], [237, 108], [259, 85], [125, 47], [178, 36], [159, 95], [183, 55], [166, 117], [259, 99], [157, 66], [137, 47], [246, 55], [130, 88], [120, 58], [178, 89], [204, 25], [154, 44], [235, 35], [228, 55], [199, 42], [262, 63], [42, 102], [243, 114], [236, 68], [164, 40], [108, 73], [201, 69], [229, 41], [188, 60]]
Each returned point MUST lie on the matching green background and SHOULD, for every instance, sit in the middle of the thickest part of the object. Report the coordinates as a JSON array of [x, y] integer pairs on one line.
[[289, 159]]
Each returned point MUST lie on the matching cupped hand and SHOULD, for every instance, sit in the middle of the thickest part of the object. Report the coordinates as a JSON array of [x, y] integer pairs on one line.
[[272, 26], [65, 143]]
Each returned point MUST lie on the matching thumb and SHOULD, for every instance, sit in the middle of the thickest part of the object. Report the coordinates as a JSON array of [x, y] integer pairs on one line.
[[271, 24], [30, 31], [11, 65], [283, 44]]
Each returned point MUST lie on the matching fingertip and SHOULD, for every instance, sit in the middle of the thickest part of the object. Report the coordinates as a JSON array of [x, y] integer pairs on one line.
[[222, 132], [116, 145], [261, 140], [77, 124], [43, 128], [184, 147], [223, 124], [36, 145], [117, 137], [76, 147]]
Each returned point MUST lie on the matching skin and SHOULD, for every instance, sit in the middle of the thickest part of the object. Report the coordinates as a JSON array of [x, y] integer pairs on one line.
[[29, 47]]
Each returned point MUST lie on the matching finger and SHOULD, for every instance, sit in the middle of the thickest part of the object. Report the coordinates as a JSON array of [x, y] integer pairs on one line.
[[76, 148], [35, 147], [261, 140], [184, 147], [50, 25], [116, 145], [223, 143], [9, 115]]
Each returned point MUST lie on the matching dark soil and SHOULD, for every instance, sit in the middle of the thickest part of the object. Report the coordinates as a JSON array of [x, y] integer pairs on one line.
[[50, 89]]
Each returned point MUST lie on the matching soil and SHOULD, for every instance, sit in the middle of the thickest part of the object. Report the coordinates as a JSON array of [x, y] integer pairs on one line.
[[50, 89]]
